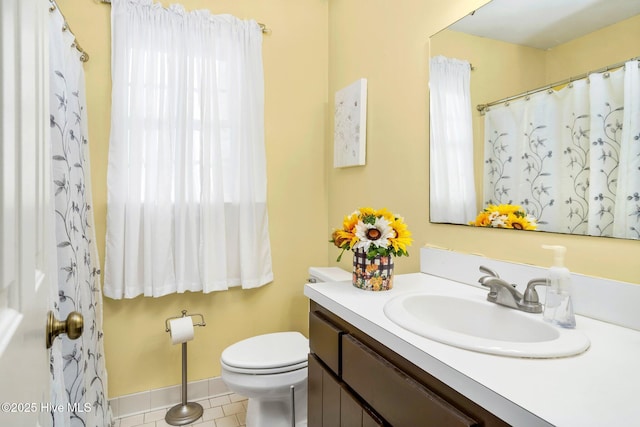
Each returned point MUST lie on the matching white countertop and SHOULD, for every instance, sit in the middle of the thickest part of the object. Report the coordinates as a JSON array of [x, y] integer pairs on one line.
[[597, 388]]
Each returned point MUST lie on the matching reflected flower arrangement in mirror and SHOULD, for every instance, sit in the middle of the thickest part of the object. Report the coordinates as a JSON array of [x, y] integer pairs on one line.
[[505, 216]]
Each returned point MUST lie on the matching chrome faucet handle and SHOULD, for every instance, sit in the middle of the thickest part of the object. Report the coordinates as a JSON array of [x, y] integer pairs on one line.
[[530, 301], [530, 294], [486, 270]]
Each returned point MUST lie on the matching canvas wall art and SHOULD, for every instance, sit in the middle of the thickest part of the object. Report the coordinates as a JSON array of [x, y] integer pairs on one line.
[[350, 132]]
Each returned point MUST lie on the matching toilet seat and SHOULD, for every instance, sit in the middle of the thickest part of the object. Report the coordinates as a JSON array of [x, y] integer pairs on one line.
[[267, 354]]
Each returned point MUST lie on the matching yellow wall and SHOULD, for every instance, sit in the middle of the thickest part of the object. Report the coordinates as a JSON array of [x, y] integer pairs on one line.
[[316, 48], [389, 46], [139, 355], [387, 43], [604, 47]]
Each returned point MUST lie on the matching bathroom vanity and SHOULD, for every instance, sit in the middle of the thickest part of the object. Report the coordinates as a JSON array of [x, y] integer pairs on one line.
[[366, 370], [354, 380]]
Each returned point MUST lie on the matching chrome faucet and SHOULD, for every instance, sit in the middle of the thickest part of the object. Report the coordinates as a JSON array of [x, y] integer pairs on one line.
[[503, 293]]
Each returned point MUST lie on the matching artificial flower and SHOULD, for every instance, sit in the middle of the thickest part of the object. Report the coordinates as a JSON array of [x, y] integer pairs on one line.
[[376, 232]]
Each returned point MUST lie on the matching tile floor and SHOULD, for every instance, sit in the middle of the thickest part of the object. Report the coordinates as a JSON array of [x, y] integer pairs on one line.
[[228, 410]]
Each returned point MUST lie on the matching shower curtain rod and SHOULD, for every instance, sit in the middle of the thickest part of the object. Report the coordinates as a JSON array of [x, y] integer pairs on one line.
[[84, 56], [263, 27], [483, 107]]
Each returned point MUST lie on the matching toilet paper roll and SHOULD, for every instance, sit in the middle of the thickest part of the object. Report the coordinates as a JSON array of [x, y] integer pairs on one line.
[[181, 329]]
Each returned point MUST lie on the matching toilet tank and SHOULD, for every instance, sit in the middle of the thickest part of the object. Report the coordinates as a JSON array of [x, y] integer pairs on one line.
[[328, 274]]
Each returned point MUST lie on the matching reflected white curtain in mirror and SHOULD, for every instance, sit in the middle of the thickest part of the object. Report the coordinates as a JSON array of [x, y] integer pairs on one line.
[[451, 177], [570, 157], [187, 202]]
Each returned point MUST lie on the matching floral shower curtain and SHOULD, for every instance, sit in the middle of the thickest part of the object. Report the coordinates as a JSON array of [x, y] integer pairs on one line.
[[570, 157], [78, 374]]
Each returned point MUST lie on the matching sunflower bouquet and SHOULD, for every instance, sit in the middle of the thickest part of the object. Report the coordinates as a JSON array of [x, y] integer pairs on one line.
[[505, 216], [375, 232]]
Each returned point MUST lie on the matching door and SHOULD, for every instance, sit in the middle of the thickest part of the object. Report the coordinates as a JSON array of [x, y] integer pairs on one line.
[[24, 214]]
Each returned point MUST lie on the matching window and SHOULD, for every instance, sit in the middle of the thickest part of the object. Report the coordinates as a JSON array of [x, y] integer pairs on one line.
[[187, 170]]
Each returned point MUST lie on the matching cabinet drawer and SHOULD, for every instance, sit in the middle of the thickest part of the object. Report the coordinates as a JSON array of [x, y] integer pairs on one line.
[[324, 341], [396, 397]]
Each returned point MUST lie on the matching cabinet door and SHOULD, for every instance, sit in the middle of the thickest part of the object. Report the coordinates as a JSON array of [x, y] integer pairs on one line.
[[354, 413], [350, 410], [314, 392], [330, 400], [370, 419], [323, 406], [331, 404]]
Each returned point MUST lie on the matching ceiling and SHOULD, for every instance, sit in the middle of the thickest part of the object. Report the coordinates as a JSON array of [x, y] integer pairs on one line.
[[544, 24]]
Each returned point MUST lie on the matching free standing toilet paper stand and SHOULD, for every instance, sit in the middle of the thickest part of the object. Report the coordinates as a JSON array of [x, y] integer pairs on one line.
[[185, 412]]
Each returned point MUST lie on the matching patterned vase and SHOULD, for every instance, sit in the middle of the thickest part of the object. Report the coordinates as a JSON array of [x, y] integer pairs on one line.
[[372, 274]]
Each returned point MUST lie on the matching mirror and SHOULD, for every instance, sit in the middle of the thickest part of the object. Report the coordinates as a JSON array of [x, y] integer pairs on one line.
[[516, 48]]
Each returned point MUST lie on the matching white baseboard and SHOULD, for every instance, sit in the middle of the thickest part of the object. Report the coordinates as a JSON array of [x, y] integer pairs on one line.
[[150, 400]]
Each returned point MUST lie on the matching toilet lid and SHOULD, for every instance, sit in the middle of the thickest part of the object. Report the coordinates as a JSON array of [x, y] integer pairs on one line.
[[269, 351]]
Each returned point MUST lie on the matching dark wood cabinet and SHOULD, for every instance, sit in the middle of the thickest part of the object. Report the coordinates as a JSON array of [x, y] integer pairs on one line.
[[355, 381], [332, 403]]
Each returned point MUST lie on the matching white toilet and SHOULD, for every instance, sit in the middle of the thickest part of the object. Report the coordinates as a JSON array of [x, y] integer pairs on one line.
[[265, 367]]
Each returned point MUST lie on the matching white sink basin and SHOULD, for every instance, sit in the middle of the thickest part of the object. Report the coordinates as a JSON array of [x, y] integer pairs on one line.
[[479, 325]]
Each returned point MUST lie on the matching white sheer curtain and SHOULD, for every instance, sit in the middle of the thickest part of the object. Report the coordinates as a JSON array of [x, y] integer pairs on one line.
[[451, 189], [570, 157], [187, 170]]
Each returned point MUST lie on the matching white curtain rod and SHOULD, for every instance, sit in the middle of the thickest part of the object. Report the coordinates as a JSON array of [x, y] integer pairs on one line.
[[263, 27]]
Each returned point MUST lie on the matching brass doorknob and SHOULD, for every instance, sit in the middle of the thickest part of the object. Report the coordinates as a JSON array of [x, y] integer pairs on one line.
[[72, 326]]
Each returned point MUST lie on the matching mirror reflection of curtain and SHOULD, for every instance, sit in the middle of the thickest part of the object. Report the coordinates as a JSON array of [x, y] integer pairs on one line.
[[627, 215], [570, 157], [452, 191]]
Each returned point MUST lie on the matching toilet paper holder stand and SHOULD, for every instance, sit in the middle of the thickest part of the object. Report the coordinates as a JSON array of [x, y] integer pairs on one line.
[[184, 412], [184, 314]]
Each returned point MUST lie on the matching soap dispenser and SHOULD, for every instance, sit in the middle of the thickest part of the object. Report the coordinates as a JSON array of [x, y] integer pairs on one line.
[[558, 308]]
